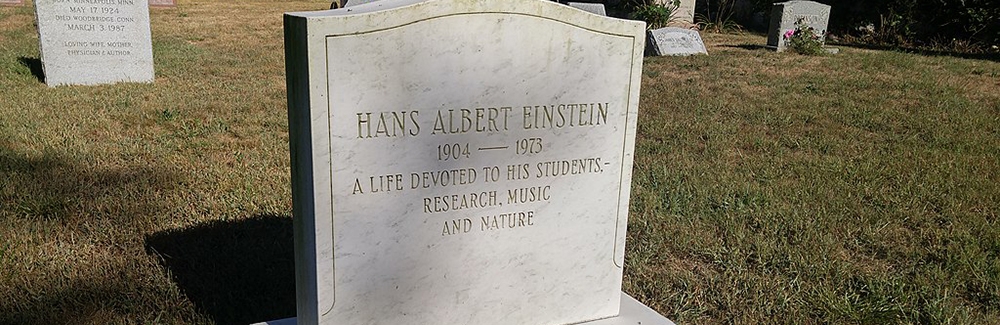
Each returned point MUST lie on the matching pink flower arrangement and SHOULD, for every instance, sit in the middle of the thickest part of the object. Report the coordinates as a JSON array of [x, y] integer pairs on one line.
[[789, 33]]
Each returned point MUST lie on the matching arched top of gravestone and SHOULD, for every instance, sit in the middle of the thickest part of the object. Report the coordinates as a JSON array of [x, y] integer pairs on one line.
[[384, 14]]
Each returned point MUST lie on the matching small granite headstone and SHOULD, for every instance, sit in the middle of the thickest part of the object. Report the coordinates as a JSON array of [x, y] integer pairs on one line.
[[785, 16], [676, 41], [477, 171], [594, 8], [11, 2], [162, 3], [89, 42]]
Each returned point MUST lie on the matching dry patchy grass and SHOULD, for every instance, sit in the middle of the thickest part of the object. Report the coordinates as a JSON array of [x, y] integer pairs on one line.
[[855, 188], [150, 203]]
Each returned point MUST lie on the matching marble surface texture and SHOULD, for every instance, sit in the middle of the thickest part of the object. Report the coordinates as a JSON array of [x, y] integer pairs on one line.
[[476, 171], [784, 16], [594, 8], [676, 41], [89, 44]]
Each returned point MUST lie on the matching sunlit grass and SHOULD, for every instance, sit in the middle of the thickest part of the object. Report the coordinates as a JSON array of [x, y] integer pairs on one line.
[[855, 188]]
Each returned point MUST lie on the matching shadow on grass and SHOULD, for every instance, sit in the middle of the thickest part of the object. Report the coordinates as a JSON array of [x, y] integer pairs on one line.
[[237, 272], [748, 47], [35, 65], [56, 198], [995, 57], [62, 187], [80, 302]]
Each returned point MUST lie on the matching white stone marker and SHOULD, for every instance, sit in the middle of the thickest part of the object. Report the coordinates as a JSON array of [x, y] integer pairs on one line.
[[477, 169], [685, 12], [89, 42], [676, 41], [594, 8], [784, 16]]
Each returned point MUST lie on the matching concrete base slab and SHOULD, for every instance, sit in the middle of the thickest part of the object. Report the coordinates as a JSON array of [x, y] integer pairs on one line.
[[632, 312]]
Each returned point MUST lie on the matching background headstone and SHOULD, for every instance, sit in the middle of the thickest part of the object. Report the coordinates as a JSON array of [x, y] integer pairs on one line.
[[11, 2], [162, 3], [685, 13], [594, 8], [477, 171], [784, 16], [351, 3], [676, 41], [94, 42]]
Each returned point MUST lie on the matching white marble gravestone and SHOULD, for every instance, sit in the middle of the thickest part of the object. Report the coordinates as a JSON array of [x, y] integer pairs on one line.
[[676, 41], [785, 15], [89, 42], [594, 8], [477, 170]]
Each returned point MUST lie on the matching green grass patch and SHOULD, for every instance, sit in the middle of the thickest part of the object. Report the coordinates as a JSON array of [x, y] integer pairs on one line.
[[858, 188]]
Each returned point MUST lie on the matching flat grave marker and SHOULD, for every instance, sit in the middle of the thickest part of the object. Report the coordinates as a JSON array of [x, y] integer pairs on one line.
[[785, 15], [94, 41], [594, 8], [676, 41], [477, 170], [11, 2]]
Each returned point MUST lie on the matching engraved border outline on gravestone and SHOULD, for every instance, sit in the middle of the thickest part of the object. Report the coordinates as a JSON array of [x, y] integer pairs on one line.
[[621, 172], [625, 120]]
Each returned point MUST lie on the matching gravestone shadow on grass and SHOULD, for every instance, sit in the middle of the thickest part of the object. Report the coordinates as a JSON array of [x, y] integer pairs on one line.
[[35, 65], [78, 302], [995, 57], [235, 271], [61, 186], [60, 194], [748, 47], [985, 56]]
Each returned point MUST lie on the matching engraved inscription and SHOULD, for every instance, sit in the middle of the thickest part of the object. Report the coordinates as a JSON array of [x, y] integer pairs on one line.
[[494, 222], [476, 199], [808, 19], [94, 18]]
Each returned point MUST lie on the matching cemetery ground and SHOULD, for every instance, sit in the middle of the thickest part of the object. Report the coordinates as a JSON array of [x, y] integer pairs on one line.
[[859, 188]]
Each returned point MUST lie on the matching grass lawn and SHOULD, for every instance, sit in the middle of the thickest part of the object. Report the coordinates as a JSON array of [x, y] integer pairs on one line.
[[860, 188]]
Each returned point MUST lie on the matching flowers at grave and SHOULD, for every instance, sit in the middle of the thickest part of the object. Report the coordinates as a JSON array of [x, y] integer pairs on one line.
[[804, 39]]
